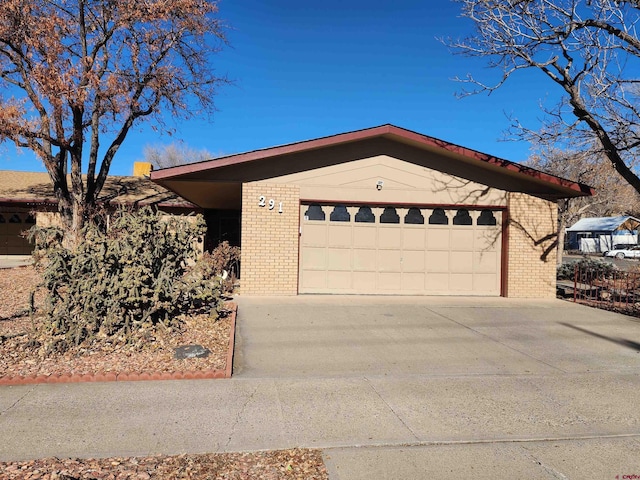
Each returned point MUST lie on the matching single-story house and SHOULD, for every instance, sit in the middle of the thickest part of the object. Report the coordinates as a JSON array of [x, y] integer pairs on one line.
[[383, 211], [26, 198], [599, 234]]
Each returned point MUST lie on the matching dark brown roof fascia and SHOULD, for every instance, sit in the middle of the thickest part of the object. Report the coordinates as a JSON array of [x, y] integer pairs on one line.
[[383, 130], [269, 152]]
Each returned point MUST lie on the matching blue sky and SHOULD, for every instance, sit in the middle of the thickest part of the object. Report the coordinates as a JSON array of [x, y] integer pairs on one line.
[[303, 71]]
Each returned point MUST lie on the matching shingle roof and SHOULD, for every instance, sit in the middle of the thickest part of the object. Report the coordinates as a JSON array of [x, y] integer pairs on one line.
[[605, 224], [35, 188]]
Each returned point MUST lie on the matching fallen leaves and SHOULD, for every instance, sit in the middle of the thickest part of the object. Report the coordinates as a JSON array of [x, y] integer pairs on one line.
[[17, 357], [298, 464]]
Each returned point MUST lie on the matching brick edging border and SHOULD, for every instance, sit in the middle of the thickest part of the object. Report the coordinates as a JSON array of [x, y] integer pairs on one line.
[[232, 341], [134, 376]]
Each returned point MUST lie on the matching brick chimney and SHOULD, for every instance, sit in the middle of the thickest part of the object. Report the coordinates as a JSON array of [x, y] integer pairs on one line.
[[142, 169]]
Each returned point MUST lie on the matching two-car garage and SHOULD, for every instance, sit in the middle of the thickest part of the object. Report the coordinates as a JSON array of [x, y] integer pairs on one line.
[[364, 249], [383, 211]]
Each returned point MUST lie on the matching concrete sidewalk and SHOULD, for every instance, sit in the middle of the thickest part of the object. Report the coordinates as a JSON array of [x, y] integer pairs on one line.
[[390, 428], [480, 388]]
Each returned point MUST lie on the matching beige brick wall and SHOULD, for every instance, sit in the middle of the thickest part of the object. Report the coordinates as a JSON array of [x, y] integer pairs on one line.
[[270, 239], [532, 250]]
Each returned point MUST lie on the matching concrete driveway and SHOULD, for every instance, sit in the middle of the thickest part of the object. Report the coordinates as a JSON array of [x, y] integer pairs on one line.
[[339, 336], [388, 388], [492, 388]]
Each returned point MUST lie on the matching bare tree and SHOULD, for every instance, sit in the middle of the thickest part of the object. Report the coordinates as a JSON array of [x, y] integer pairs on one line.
[[614, 196], [589, 48], [77, 75], [173, 154]]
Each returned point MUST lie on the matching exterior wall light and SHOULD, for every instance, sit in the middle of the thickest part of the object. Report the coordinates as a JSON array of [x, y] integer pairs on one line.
[[379, 185]]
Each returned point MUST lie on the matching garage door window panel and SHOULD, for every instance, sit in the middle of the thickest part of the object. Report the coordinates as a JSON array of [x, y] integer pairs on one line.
[[365, 215], [462, 218], [486, 218], [314, 213], [414, 217], [340, 214], [438, 217], [389, 216]]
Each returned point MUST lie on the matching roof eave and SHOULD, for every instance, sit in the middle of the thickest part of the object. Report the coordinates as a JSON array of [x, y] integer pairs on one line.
[[567, 188]]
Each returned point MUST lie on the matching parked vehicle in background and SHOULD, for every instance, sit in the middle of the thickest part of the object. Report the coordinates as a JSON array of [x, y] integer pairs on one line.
[[630, 251]]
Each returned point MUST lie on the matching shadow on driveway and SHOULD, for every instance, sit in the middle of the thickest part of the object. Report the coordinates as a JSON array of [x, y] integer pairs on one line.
[[620, 341]]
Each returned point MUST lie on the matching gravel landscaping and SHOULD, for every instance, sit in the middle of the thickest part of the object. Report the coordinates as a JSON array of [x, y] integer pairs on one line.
[[156, 355]]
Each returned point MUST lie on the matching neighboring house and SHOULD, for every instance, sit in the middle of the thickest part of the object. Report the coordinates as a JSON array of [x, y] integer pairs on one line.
[[383, 211], [27, 198], [599, 234]]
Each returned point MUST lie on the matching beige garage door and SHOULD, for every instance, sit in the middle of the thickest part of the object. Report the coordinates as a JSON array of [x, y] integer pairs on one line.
[[395, 250], [12, 224]]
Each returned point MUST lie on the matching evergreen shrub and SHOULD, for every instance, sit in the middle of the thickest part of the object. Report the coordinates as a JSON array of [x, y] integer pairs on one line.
[[593, 268]]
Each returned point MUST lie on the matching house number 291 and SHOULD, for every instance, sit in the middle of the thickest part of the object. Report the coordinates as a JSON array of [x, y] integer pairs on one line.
[[262, 202]]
